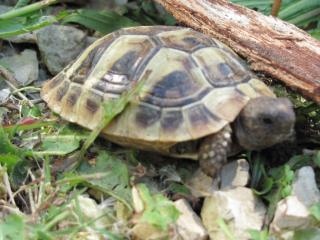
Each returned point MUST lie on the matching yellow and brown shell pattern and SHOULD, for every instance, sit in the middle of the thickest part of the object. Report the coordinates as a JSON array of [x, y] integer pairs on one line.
[[194, 86]]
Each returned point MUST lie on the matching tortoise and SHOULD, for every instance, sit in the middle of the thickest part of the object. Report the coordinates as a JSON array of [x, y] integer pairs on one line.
[[198, 101]]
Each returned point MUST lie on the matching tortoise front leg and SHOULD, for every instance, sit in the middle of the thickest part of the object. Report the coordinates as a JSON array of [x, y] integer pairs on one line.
[[214, 150]]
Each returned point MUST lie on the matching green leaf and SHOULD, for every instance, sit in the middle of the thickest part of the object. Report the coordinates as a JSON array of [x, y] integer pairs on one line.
[[159, 211], [6, 147], [266, 186], [9, 160], [16, 26], [307, 234], [297, 8], [258, 235], [101, 21], [179, 188], [19, 173], [316, 159], [12, 228], [263, 6], [315, 211], [58, 145], [109, 175], [315, 33], [27, 111]]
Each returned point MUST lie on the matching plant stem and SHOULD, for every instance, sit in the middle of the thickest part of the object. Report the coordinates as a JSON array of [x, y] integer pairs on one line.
[[27, 9], [55, 220], [275, 7]]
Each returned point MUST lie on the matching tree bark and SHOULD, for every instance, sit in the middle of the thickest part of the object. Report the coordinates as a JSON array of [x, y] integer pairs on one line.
[[271, 45]]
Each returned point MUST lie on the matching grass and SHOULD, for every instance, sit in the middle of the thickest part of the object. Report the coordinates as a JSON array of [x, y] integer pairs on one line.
[[45, 190]]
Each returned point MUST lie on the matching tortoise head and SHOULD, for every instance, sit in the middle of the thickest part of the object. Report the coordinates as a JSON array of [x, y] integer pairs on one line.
[[263, 122]]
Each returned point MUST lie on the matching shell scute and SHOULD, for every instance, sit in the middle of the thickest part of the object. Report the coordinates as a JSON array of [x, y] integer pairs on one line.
[[185, 40], [200, 121], [222, 69]]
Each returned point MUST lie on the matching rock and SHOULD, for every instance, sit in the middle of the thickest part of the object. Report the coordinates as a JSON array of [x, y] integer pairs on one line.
[[60, 45], [145, 231], [235, 174], [290, 214], [91, 210], [189, 225], [305, 187], [239, 208], [24, 66], [23, 38], [7, 51], [4, 9], [201, 185], [4, 95]]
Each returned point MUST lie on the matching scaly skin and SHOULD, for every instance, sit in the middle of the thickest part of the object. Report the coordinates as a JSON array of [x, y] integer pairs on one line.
[[214, 150]]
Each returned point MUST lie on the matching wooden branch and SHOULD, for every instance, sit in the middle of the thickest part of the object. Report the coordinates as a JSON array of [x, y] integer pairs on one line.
[[271, 45]]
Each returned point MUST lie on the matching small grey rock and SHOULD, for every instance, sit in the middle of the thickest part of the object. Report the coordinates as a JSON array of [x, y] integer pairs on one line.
[[305, 186], [24, 66], [4, 9], [23, 38], [235, 174], [201, 185], [59, 45]]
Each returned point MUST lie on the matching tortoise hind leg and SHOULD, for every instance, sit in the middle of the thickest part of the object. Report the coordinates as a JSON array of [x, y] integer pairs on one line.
[[214, 150]]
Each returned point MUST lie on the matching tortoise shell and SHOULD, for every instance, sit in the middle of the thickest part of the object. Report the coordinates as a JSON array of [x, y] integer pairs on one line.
[[194, 86]]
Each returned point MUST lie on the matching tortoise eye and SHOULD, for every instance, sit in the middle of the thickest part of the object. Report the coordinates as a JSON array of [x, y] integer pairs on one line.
[[267, 120]]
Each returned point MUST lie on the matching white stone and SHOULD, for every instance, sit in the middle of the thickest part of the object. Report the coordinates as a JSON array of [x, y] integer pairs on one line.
[[235, 174], [290, 214], [4, 95], [91, 210], [239, 208], [137, 201], [189, 225], [305, 187], [201, 185]]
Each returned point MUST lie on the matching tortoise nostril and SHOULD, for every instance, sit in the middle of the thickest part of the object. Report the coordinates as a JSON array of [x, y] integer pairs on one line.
[[267, 120]]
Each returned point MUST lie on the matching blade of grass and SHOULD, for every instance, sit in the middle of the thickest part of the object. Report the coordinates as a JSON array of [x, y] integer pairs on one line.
[[26, 127], [302, 6], [311, 15], [102, 21], [225, 229], [13, 28], [18, 12]]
